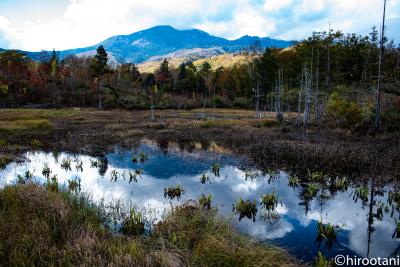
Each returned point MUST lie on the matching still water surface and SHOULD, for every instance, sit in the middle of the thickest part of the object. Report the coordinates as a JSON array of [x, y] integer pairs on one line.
[[294, 225]]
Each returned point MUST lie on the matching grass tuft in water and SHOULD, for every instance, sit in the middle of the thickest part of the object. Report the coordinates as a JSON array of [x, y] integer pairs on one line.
[[215, 169], [205, 201], [46, 171], [205, 178], [133, 224], [66, 164], [293, 181], [326, 233], [246, 209], [269, 201], [174, 192]]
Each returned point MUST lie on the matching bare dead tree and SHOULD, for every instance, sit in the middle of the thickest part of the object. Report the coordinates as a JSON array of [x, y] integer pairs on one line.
[[378, 103], [300, 97], [278, 95], [317, 111], [307, 88]]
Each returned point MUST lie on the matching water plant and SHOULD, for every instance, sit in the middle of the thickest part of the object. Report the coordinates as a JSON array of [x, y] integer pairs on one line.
[[46, 171], [396, 233], [310, 191], [215, 168], [205, 201], [79, 166], [174, 192], [52, 184], [204, 178], [326, 233], [246, 209], [134, 159], [114, 175], [133, 176], [293, 181], [74, 185], [66, 164], [251, 174], [272, 175], [269, 201], [316, 176], [361, 193], [143, 157], [94, 163], [341, 183], [133, 225], [322, 261], [28, 177]]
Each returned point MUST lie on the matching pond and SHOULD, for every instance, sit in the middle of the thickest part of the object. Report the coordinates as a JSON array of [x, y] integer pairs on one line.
[[367, 227]]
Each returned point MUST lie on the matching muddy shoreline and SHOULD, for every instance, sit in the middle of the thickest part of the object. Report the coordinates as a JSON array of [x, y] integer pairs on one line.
[[333, 151]]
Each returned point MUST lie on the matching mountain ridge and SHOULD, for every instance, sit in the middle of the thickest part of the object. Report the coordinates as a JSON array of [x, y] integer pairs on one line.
[[163, 41]]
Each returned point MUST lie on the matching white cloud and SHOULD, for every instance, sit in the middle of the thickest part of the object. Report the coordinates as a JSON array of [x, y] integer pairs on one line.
[[87, 22]]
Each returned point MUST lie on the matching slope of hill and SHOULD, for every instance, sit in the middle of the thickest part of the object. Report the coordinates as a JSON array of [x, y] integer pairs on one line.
[[224, 60], [165, 41]]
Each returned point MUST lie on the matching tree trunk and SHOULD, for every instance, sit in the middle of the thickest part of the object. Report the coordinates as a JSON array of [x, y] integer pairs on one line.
[[300, 97], [307, 87], [101, 95], [378, 104], [317, 111]]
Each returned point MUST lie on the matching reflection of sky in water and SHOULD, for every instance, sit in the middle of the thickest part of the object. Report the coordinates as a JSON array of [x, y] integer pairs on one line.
[[295, 230]]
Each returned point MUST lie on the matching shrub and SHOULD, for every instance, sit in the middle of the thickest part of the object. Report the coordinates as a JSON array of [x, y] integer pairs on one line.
[[241, 102], [345, 113], [133, 102]]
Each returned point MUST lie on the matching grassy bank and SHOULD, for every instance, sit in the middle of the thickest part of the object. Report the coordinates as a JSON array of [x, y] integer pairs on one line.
[[45, 227]]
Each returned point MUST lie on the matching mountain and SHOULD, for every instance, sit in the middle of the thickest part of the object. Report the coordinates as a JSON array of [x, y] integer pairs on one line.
[[167, 42]]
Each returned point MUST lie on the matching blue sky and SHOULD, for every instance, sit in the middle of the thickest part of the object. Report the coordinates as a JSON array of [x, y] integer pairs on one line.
[[61, 24]]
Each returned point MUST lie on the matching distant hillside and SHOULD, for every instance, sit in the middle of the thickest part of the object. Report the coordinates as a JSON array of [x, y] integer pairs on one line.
[[165, 41], [224, 60]]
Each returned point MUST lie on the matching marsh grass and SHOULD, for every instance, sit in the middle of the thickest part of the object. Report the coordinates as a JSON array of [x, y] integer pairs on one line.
[[27, 125], [47, 228]]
